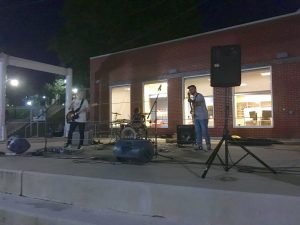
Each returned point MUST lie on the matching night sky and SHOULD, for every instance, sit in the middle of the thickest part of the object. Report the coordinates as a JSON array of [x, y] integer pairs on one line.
[[26, 26], [225, 13]]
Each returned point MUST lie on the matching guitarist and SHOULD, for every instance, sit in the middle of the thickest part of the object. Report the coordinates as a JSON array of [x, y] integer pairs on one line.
[[200, 117], [79, 106]]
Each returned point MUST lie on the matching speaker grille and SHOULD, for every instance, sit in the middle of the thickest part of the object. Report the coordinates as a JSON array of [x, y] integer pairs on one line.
[[185, 134], [225, 66]]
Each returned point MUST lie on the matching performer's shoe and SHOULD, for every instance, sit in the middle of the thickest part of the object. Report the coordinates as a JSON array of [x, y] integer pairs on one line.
[[198, 148]]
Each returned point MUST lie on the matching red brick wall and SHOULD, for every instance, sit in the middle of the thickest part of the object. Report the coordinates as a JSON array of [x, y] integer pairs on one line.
[[260, 44], [174, 103]]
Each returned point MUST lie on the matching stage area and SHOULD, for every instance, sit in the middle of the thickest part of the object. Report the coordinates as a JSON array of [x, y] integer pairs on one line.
[[170, 189]]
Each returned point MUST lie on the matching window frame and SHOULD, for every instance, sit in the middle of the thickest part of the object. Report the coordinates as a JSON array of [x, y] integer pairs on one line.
[[143, 100], [110, 98], [184, 91], [234, 125]]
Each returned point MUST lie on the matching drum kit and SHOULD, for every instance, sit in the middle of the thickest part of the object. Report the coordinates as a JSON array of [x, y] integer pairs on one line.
[[128, 129]]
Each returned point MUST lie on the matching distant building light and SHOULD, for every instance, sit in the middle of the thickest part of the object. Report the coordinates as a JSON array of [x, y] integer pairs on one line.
[[29, 103]]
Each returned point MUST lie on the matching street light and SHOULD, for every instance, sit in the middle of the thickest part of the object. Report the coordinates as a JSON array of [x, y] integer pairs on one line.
[[14, 82], [75, 90]]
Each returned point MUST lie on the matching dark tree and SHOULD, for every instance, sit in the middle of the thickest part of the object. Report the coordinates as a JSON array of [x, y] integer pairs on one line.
[[96, 27], [93, 28]]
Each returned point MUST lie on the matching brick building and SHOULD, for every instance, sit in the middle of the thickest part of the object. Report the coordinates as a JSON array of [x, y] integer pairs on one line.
[[266, 105]]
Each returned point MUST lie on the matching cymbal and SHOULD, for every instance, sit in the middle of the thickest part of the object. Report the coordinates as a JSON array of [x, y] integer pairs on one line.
[[116, 113], [121, 121]]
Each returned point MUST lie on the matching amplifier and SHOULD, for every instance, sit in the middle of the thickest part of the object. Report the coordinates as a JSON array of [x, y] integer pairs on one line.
[[136, 150], [185, 134]]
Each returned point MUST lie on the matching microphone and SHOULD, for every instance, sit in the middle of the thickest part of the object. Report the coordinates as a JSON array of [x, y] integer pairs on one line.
[[159, 88]]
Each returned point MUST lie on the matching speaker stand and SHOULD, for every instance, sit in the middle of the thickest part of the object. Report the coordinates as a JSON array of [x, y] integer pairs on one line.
[[154, 106], [226, 139]]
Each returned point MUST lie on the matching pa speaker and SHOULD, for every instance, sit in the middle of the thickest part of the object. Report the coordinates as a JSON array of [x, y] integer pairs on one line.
[[185, 134], [225, 66], [17, 145], [135, 150]]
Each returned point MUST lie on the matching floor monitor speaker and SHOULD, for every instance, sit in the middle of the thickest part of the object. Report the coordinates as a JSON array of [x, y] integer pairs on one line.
[[17, 145], [225, 66], [185, 134], [135, 150]]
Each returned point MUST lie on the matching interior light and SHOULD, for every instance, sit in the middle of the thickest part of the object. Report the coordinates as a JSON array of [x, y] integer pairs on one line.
[[265, 74]]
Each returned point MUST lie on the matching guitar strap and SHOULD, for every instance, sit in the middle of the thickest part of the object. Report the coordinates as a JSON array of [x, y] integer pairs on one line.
[[77, 110]]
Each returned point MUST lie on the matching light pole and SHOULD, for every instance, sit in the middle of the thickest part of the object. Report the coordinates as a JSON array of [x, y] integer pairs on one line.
[[14, 83]]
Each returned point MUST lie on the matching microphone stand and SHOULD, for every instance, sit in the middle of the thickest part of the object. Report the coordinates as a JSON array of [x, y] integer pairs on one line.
[[44, 151], [154, 106], [44, 113]]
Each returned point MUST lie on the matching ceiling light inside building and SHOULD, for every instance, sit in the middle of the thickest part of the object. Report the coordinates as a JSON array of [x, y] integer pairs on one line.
[[265, 74]]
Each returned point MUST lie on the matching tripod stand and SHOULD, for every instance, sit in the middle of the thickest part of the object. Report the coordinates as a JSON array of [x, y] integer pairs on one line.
[[227, 138], [154, 106], [113, 133]]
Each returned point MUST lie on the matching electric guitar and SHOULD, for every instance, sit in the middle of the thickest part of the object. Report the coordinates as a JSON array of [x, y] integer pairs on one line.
[[72, 115]]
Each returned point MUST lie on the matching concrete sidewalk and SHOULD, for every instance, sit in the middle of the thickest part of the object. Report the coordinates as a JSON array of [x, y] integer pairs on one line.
[[163, 188]]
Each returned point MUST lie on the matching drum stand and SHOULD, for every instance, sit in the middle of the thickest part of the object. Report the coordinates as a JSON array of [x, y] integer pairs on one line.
[[113, 134], [227, 138], [154, 106]]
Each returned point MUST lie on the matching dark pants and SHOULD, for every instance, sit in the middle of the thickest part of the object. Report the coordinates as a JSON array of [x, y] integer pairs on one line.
[[73, 126]]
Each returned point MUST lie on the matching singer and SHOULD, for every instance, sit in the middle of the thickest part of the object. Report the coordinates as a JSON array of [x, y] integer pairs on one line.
[[200, 117]]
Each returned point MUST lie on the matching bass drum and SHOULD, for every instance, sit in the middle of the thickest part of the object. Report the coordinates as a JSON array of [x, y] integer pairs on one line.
[[128, 133]]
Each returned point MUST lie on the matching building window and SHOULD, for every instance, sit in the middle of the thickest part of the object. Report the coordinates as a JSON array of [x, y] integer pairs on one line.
[[253, 99], [203, 86], [120, 103], [152, 92]]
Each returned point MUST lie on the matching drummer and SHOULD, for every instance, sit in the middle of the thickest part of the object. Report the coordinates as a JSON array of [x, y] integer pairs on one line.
[[138, 119]]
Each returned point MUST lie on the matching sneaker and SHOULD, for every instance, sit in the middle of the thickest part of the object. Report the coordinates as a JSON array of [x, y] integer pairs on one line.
[[79, 147], [198, 147]]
